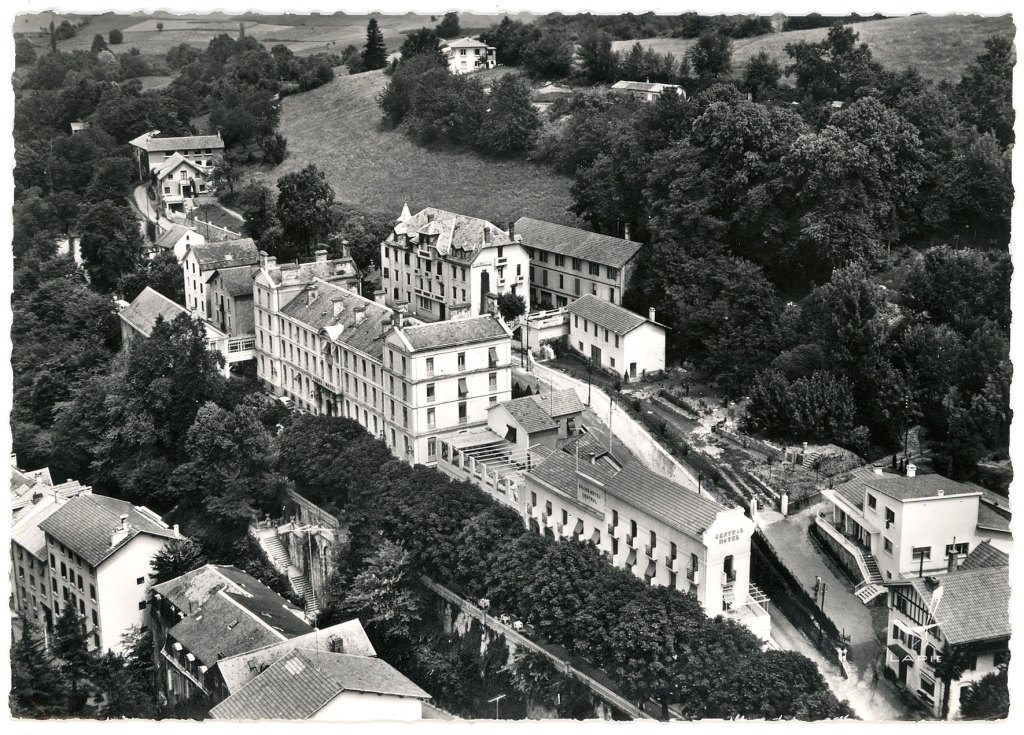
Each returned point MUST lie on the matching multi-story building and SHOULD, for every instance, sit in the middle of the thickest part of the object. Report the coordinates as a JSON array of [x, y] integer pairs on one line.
[[177, 239], [139, 317], [469, 54], [885, 526], [659, 531], [615, 338], [444, 265], [275, 287], [152, 152], [34, 498], [568, 263], [99, 551], [441, 378], [945, 632], [203, 259], [181, 184]]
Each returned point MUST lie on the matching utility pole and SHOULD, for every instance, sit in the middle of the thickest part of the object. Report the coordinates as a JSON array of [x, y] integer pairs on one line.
[[590, 370], [496, 700]]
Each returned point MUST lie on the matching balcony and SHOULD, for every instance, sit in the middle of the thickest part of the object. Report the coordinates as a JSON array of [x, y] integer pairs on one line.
[[463, 420], [693, 575], [672, 563], [728, 577], [241, 348], [613, 530], [632, 541]]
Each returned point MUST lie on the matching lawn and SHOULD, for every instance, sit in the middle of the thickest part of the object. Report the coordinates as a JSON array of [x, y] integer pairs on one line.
[[337, 127], [940, 47]]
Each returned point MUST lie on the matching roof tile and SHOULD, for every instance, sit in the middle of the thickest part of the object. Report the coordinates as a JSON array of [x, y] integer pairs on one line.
[[613, 318], [576, 243]]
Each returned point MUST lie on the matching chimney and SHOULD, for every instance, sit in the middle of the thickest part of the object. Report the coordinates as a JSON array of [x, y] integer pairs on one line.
[[120, 533], [912, 471], [346, 250], [627, 231], [271, 262], [487, 234], [337, 305], [430, 217], [398, 318], [360, 312], [263, 256], [651, 314], [321, 256], [379, 296], [177, 532], [312, 293], [954, 560], [593, 458], [36, 497], [492, 303], [512, 231]]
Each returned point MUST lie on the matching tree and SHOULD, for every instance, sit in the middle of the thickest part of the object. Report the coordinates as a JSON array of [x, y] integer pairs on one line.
[[180, 56], [98, 44], [70, 643], [225, 172], [548, 56], [509, 38], [423, 42], [175, 558], [111, 243], [303, 206], [274, 148], [129, 680], [375, 52], [770, 407], [711, 56], [836, 68], [988, 698], [259, 208], [761, 76], [111, 181], [600, 63], [24, 52], [511, 123], [37, 687], [987, 88], [383, 595], [449, 25], [511, 306], [159, 26], [162, 273], [115, 37]]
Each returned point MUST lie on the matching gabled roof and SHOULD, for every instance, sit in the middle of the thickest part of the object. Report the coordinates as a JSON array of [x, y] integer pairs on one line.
[[85, 525], [291, 274], [974, 604], [456, 234], [605, 314], [345, 328], [172, 164], [193, 589], [899, 487], [467, 42], [225, 253], [237, 281], [348, 637], [304, 681], [454, 332], [170, 238], [148, 306], [25, 530], [985, 555], [560, 403], [576, 243], [656, 87], [148, 142], [990, 520], [673, 504], [529, 415]]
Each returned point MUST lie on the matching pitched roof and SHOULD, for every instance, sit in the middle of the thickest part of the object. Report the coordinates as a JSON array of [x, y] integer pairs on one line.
[[990, 520], [225, 253], [467, 42], [985, 555], [149, 306], [27, 514], [152, 144], [604, 314], [456, 234], [348, 637], [85, 524], [237, 281], [172, 163], [346, 328], [898, 486], [643, 86], [680, 508], [559, 469], [529, 414], [560, 402], [170, 238], [291, 274], [26, 532], [301, 683], [974, 604], [576, 243], [194, 588], [454, 332]]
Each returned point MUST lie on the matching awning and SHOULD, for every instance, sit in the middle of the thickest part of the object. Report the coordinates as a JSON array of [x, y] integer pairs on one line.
[[463, 388], [492, 355], [652, 569], [901, 654], [595, 537], [578, 529], [631, 559]]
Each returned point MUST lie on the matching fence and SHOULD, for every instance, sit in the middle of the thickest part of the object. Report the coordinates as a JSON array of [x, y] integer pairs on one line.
[[518, 639]]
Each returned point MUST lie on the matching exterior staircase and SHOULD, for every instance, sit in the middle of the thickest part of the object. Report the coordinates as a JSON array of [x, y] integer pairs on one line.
[[302, 587], [275, 550], [872, 586], [810, 458]]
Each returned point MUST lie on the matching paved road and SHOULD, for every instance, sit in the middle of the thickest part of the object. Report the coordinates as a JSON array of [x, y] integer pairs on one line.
[[147, 209]]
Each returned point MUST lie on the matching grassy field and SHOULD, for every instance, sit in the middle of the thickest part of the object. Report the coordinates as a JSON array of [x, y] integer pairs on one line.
[[303, 34], [337, 127], [940, 47]]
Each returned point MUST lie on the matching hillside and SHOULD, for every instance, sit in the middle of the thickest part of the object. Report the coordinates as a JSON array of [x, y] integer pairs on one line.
[[940, 47], [337, 127]]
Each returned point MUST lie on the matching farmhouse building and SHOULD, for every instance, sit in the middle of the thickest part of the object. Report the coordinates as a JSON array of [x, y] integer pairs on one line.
[[180, 184], [567, 263], [445, 265], [152, 152], [648, 91], [469, 54], [615, 338]]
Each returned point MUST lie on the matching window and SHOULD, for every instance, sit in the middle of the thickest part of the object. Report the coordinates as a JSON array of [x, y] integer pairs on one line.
[[576, 320], [463, 388], [927, 687], [872, 502], [887, 545], [593, 289], [543, 256], [654, 539], [605, 335], [611, 295], [611, 361], [560, 261], [565, 517], [501, 248], [63, 571], [576, 264], [615, 518], [613, 273], [431, 421], [95, 618], [890, 517], [958, 549], [533, 498], [140, 580], [547, 507], [431, 448], [616, 340], [595, 269], [462, 360], [576, 286], [632, 529], [462, 412], [922, 552], [92, 592], [492, 400], [493, 381], [430, 367], [142, 605], [430, 392]]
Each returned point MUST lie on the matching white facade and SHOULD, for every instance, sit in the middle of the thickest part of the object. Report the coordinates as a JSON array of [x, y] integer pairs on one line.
[[123, 582], [636, 350], [365, 707], [468, 55]]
